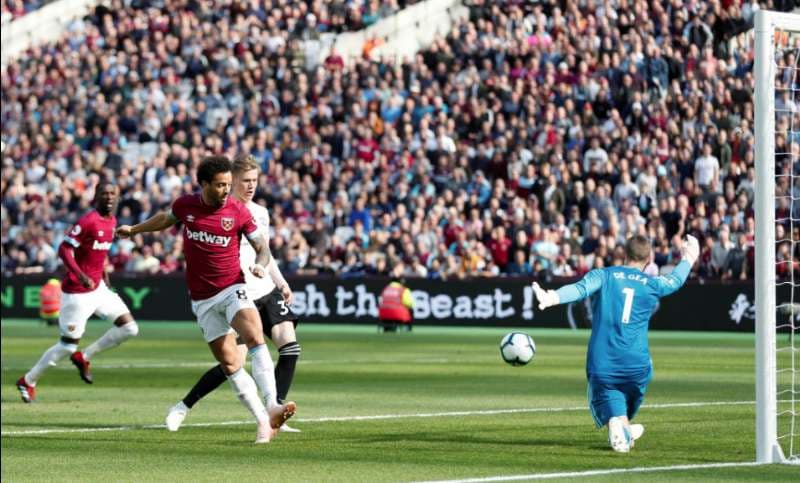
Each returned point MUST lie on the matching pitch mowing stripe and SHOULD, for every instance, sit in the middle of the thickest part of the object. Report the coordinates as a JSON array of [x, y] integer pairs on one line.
[[613, 471], [367, 329], [377, 417]]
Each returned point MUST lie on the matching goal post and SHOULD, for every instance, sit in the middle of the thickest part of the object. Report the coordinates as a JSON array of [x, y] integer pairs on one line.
[[777, 38]]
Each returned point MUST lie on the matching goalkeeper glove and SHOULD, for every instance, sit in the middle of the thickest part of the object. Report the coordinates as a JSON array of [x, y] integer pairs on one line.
[[690, 250], [547, 298]]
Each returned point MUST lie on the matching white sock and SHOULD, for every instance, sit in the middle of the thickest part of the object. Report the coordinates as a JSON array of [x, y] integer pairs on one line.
[[49, 359], [264, 374], [112, 338], [247, 392]]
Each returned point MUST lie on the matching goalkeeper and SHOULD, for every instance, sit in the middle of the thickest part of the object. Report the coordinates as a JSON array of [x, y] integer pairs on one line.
[[618, 365]]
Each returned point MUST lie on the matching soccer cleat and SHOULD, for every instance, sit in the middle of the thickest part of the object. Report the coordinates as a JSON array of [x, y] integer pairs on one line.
[[285, 428], [637, 430], [264, 433], [83, 366], [176, 415], [618, 436], [26, 391], [280, 413]]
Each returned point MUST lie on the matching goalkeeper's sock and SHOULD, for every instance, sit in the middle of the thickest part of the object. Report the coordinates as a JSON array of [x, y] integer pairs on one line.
[[245, 388], [264, 374], [113, 337], [207, 383], [284, 370], [49, 359]]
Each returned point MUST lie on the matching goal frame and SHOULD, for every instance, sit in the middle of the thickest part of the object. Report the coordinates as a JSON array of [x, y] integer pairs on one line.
[[768, 449]]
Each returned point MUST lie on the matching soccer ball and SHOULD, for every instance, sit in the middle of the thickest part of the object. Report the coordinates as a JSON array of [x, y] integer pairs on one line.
[[517, 348]]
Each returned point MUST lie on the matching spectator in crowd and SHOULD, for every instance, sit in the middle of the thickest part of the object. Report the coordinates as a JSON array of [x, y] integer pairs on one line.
[[720, 250], [706, 169], [734, 266]]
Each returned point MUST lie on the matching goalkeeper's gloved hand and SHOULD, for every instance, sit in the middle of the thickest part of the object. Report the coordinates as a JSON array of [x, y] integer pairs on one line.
[[547, 298], [690, 250]]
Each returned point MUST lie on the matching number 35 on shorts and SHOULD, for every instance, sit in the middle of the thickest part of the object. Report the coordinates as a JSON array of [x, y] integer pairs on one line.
[[284, 307]]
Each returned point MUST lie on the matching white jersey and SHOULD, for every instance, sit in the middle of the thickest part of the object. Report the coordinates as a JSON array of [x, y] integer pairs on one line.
[[256, 287]]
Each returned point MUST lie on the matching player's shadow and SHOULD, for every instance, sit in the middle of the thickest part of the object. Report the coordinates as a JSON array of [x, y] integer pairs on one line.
[[600, 448]]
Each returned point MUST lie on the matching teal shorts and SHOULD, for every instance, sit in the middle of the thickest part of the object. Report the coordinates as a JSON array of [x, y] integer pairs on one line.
[[608, 399]]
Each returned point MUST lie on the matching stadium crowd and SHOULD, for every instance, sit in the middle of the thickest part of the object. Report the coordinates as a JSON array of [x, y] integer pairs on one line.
[[12, 9], [530, 141], [306, 19]]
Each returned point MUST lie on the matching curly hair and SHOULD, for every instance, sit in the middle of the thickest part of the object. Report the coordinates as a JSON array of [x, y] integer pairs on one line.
[[212, 166]]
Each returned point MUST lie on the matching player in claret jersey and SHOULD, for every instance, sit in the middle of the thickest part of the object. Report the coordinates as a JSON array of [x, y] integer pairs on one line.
[[272, 299], [213, 224], [85, 292]]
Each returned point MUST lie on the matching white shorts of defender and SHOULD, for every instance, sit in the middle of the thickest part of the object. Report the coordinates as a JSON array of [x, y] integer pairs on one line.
[[76, 308], [214, 315]]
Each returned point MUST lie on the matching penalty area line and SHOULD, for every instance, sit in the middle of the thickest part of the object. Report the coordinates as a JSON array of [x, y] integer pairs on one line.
[[376, 417], [611, 471]]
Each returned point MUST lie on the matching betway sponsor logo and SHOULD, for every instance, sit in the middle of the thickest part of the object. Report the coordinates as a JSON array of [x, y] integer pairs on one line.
[[205, 237], [98, 245]]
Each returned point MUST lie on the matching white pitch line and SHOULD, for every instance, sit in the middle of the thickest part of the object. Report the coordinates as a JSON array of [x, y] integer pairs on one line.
[[613, 471], [376, 417], [209, 364]]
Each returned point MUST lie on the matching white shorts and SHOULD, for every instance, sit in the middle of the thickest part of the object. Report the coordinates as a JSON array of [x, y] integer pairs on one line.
[[76, 308], [214, 315]]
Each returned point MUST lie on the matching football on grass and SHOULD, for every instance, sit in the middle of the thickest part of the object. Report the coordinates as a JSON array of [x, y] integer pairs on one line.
[[517, 348]]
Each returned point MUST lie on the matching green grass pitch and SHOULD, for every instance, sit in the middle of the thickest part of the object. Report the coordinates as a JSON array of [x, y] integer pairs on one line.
[[433, 404]]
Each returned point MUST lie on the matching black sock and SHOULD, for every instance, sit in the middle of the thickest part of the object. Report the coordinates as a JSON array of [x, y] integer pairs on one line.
[[207, 383], [284, 369]]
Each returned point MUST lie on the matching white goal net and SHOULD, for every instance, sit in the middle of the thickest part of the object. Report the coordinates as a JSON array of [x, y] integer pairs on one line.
[[777, 145]]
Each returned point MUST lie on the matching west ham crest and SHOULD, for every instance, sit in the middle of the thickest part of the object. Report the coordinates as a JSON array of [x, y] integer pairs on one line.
[[227, 223]]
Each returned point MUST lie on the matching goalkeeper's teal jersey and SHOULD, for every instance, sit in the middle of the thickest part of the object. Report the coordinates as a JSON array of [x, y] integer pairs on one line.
[[623, 300]]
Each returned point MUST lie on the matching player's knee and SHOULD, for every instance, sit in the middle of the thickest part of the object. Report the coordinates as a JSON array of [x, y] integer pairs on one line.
[[252, 340], [283, 334], [231, 360], [230, 366], [68, 344], [131, 329]]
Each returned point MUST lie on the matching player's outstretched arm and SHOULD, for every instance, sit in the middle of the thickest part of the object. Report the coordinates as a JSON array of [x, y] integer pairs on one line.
[[157, 222], [579, 290], [690, 251]]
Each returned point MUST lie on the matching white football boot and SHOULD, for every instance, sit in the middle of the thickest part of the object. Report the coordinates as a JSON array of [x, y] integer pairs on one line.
[[618, 436], [176, 415], [637, 430], [285, 428]]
